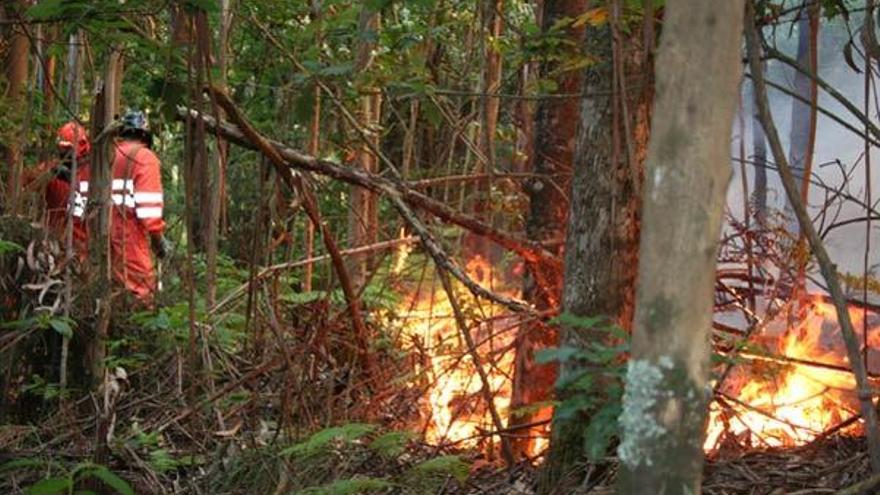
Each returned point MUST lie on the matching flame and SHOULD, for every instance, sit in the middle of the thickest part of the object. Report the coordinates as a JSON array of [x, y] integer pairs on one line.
[[789, 400], [456, 410]]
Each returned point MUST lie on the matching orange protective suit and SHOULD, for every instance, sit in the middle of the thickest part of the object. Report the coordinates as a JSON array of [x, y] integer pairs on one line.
[[137, 215], [137, 202], [71, 137]]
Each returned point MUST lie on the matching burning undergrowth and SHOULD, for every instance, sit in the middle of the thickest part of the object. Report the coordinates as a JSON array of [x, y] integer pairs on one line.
[[789, 383]]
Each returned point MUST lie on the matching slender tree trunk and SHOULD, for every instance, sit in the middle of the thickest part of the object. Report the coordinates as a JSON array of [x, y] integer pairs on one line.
[[759, 152], [106, 107], [314, 150], [74, 70], [16, 71], [803, 127], [555, 128], [601, 248], [46, 66], [493, 24], [803, 118], [363, 221], [214, 166], [687, 171]]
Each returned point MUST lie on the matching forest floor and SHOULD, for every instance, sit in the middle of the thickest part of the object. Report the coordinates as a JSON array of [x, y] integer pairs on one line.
[[246, 411]]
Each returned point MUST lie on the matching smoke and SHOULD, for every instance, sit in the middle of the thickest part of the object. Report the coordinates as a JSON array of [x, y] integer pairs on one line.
[[838, 160]]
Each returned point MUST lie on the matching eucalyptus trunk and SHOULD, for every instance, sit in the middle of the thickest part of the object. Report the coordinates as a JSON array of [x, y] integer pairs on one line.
[[555, 128], [687, 172], [601, 247]]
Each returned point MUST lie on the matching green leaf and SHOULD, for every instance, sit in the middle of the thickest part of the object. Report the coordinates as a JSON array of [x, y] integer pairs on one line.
[[9, 247], [573, 406], [50, 486], [600, 431], [320, 440], [47, 9], [553, 354], [22, 463], [392, 444], [110, 479], [62, 327], [336, 70], [447, 465]]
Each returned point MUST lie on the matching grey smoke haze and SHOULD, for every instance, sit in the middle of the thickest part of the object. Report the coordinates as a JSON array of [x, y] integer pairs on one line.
[[834, 143]]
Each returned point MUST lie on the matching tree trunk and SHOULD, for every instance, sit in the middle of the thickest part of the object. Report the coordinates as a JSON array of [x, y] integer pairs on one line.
[[16, 71], [759, 152], [601, 248], [314, 150], [803, 130], [106, 107], [803, 117], [555, 125], [688, 169], [492, 16], [363, 220]]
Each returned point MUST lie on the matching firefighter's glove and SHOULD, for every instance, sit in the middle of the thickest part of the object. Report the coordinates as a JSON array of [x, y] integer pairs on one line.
[[161, 246], [62, 172]]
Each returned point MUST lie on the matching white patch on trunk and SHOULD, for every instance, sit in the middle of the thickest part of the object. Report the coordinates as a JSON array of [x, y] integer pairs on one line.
[[639, 427]]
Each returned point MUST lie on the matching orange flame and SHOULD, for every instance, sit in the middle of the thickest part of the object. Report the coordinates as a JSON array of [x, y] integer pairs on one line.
[[456, 409], [788, 400]]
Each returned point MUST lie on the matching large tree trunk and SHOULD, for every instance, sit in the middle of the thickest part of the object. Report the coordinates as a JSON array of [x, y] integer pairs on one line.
[[16, 71], [555, 125], [601, 248], [687, 171]]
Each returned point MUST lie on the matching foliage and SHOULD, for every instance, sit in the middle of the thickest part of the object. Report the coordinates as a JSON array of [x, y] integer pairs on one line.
[[591, 380], [7, 247], [350, 486], [65, 480], [318, 442]]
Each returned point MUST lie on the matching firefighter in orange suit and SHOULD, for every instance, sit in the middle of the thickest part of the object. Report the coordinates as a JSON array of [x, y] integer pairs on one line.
[[73, 143], [136, 224]]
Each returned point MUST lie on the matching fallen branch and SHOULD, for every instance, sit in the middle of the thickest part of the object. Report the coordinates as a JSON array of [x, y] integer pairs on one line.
[[295, 183], [826, 266], [402, 198], [530, 251], [265, 272]]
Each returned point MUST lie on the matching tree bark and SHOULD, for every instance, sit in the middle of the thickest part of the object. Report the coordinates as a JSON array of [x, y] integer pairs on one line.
[[601, 249], [759, 157], [687, 172], [106, 107], [803, 115], [363, 219], [555, 128], [16, 71]]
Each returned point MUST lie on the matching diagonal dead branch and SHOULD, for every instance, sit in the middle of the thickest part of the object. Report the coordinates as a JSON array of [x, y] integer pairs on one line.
[[295, 183], [403, 199]]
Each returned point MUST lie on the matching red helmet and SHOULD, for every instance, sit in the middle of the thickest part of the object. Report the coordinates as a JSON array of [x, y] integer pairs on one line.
[[71, 133]]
